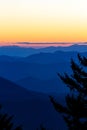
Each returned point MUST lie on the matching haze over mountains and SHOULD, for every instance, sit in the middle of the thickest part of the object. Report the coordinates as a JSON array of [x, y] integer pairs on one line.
[[38, 72], [27, 78], [26, 51]]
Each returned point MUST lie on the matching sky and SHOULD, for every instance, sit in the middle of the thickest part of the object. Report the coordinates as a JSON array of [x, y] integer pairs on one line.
[[41, 21]]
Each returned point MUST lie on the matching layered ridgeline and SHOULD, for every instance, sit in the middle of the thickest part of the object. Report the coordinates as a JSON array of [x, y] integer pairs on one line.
[[30, 109], [38, 72], [26, 51], [27, 80]]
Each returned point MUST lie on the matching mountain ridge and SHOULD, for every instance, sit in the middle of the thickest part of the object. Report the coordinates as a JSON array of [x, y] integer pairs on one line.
[[30, 108], [26, 51]]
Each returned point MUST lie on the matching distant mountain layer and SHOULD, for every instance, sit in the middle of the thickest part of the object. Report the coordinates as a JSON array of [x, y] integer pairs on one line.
[[51, 86], [35, 74], [23, 51], [29, 108], [38, 72], [12, 91]]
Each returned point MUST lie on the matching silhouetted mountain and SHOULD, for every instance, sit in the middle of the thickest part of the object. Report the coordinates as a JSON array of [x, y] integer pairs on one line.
[[10, 90], [30, 108], [17, 51], [50, 58], [43, 69], [44, 86], [18, 70], [37, 72], [26, 51]]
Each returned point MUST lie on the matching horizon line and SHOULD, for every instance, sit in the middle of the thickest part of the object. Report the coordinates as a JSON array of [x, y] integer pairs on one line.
[[45, 42], [42, 44]]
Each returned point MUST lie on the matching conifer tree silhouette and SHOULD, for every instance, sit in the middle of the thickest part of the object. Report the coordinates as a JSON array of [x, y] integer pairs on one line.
[[75, 110], [6, 122]]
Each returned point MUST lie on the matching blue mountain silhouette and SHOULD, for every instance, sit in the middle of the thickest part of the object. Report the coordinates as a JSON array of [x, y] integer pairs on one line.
[[23, 51], [30, 108], [29, 79]]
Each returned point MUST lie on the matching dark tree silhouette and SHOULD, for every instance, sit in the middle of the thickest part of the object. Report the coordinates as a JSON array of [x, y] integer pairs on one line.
[[75, 110], [6, 122]]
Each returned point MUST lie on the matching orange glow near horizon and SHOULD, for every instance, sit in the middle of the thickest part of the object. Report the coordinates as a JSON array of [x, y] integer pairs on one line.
[[43, 21]]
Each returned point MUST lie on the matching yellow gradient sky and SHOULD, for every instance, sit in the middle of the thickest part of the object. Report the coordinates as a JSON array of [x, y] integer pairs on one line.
[[43, 20]]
